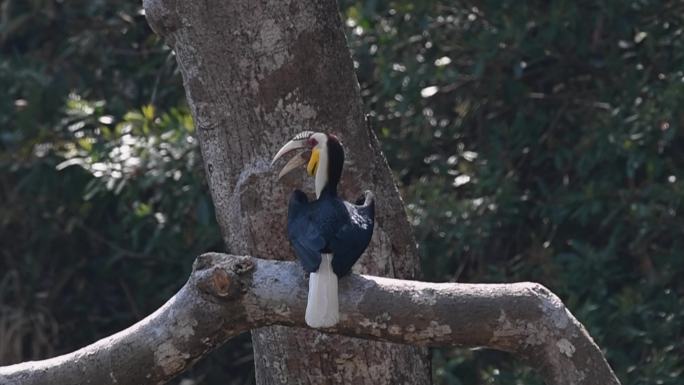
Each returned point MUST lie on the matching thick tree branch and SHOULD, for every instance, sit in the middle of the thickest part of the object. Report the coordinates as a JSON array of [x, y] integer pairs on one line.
[[228, 295]]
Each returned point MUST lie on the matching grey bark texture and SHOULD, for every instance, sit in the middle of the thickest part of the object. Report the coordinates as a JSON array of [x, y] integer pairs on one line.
[[227, 295], [256, 72]]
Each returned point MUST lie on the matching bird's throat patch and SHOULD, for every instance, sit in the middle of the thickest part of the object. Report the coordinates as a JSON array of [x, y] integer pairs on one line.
[[313, 162]]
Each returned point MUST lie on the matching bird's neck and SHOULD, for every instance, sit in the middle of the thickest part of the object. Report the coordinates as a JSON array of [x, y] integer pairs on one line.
[[329, 170], [322, 180], [325, 185]]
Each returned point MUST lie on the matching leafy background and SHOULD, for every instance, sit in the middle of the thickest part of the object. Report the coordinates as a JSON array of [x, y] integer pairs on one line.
[[533, 140]]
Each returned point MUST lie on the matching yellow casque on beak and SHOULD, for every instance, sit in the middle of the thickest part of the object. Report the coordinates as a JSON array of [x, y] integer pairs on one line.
[[313, 162]]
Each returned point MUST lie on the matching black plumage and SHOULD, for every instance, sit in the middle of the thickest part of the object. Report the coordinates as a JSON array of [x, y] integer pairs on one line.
[[329, 224]]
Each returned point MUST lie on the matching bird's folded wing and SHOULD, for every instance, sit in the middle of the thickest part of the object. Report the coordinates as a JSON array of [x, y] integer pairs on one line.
[[351, 240], [304, 234]]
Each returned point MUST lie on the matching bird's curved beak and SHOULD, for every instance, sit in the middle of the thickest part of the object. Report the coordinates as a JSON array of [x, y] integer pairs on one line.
[[300, 141]]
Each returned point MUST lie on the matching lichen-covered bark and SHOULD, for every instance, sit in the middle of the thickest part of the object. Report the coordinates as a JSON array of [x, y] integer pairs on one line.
[[255, 73], [227, 295]]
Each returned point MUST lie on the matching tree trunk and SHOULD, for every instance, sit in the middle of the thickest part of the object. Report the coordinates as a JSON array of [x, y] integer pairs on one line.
[[255, 73], [226, 295]]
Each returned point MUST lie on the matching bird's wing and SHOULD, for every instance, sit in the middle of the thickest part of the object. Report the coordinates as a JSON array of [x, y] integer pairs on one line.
[[353, 237], [303, 232]]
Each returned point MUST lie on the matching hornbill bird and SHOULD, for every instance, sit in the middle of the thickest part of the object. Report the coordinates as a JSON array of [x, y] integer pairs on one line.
[[328, 234]]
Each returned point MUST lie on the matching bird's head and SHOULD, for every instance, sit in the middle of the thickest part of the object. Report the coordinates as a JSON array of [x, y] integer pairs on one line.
[[323, 155]]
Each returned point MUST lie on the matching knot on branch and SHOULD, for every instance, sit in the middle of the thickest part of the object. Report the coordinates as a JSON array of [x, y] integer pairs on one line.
[[219, 274]]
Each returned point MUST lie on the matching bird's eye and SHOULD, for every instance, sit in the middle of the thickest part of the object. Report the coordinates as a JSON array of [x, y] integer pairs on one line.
[[313, 142]]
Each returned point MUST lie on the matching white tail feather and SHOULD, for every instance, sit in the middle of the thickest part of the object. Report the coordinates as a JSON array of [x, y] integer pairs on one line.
[[322, 307]]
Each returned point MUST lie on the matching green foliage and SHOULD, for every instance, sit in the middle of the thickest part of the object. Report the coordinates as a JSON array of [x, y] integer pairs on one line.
[[541, 141], [104, 204]]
